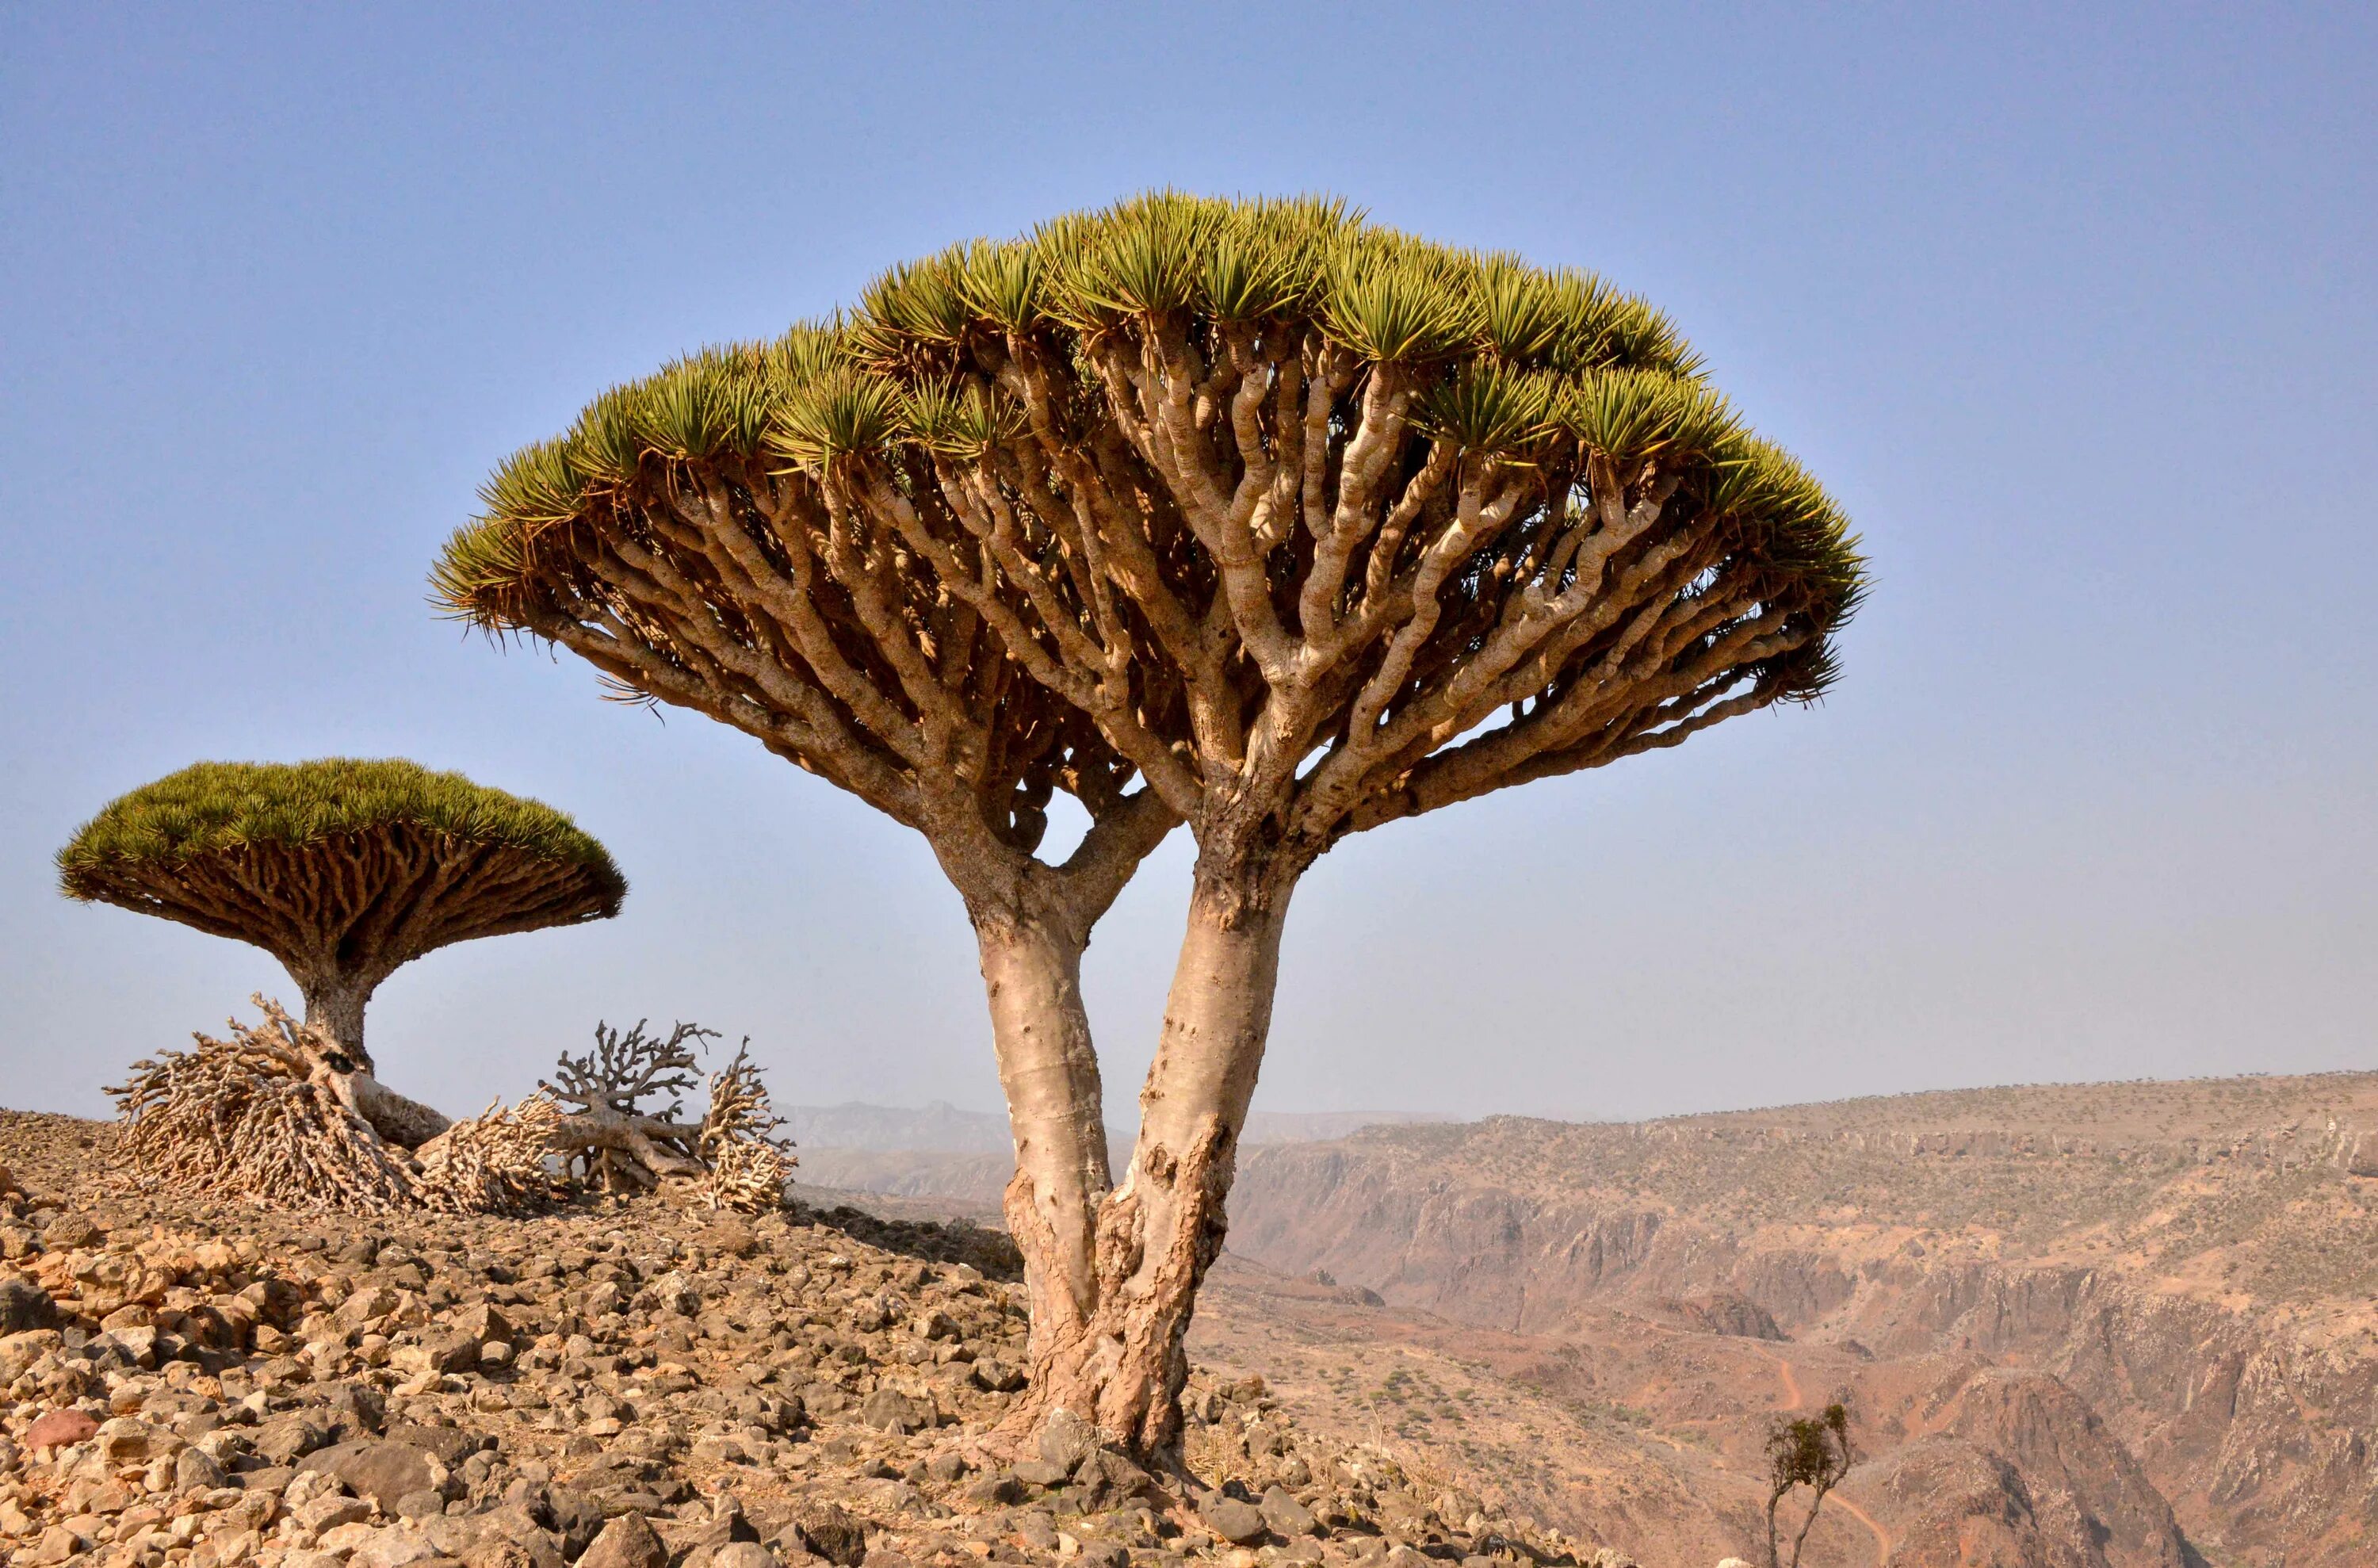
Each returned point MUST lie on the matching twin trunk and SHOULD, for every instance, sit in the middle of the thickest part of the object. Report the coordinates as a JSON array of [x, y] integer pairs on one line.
[[1114, 1274]]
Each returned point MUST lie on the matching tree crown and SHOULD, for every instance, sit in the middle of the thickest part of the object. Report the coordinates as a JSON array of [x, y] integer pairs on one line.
[[1255, 480], [340, 868], [210, 807]]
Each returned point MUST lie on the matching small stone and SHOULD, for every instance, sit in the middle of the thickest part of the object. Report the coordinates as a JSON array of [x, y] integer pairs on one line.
[[890, 1410], [67, 1232], [752, 1554], [1286, 1515], [1241, 1524], [832, 1533], [626, 1541], [288, 1439], [995, 1376], [25, 1306], [358, 1406], [194, 1470], [391, 1546], [1066, 1440], [59, 1429], [452, 1445], [995, 1491], [384, 1471], [327, 1513], [57, 1544], [1040, 1473]]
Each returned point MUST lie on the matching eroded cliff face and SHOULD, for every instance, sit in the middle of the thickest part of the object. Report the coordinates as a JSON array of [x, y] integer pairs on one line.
[[2062, 1350]]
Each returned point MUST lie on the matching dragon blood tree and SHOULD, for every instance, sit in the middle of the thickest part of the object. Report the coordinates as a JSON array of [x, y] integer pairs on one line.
[[690, 537], [1325, 526], [343, 870]]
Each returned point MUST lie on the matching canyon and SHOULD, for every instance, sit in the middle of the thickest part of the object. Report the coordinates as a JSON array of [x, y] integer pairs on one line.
[[2102, 1326]]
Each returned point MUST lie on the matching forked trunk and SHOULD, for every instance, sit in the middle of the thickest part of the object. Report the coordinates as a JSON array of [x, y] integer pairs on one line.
[[1163, 1228], [1055, 1110]]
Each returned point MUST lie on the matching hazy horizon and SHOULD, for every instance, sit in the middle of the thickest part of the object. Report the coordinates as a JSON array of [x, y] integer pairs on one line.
[[2071, 312]]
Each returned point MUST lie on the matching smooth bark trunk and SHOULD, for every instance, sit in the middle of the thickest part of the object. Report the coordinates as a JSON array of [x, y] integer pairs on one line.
[[1163, 1227], [1049, 1071]]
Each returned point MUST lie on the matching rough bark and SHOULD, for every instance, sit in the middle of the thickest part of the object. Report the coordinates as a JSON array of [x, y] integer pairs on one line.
[[334, 1004], [1161, 1230]]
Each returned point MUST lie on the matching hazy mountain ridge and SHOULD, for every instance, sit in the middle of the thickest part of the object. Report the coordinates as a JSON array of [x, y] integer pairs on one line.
[[942, 1151]]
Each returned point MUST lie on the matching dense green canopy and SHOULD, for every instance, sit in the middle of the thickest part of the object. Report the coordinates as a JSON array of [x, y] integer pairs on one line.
[[212, 806], [1542, 367]]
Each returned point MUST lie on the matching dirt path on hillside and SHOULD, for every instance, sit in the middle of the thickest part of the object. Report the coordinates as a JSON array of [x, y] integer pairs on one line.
[[1881, 1536]]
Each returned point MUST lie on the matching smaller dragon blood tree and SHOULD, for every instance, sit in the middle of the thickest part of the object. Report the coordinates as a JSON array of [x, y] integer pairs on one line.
[[344, 870]]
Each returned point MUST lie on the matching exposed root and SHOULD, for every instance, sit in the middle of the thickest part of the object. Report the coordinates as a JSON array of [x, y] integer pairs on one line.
[[277, 1114], [607, 1137], [258, 1116], [497, 1163], [270, 1114], [750, 1158]]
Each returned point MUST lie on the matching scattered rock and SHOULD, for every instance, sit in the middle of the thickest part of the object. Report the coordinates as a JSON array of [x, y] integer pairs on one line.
[[384, 1471], [893, 1411], [1241, 1524], [251, 1390], [58, 1429], [626, 1541], [831, 1532], [1066, 1440], [25, 1306], [1285, 1516]]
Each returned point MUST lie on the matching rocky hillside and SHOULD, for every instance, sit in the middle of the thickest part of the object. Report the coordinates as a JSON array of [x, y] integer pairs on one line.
[[613, 1385], [2119, 1324]]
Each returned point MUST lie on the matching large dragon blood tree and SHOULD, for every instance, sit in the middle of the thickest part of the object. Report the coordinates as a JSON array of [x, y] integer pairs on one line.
[[1321, 525], [343, 870]]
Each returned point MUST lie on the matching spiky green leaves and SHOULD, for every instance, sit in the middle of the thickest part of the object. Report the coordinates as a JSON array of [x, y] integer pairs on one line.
[[1307, 261], [843, 413], [1489, 408], [961, 421], [212, 806], [1631, 415], [1526, 364]]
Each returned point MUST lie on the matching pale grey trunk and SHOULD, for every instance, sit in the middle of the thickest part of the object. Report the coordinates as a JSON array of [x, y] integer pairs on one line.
[[1049, 1071], [1163, 1227], [334, 1004]]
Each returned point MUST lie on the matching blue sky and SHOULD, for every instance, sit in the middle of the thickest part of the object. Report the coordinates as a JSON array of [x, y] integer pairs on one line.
[[2073, 311]]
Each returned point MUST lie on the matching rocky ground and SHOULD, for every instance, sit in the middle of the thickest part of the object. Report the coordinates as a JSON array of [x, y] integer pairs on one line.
[[618, 1384]]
